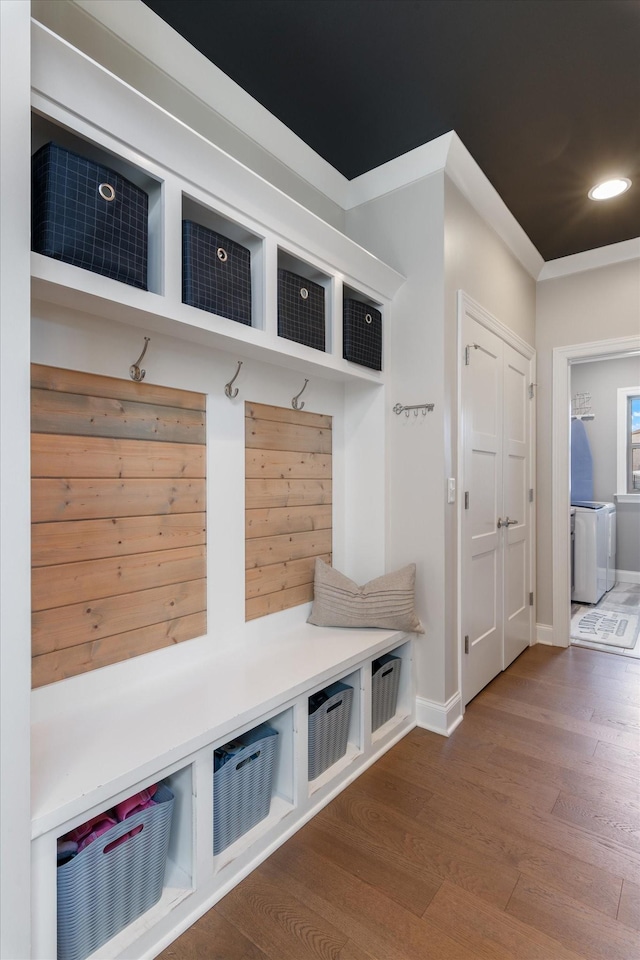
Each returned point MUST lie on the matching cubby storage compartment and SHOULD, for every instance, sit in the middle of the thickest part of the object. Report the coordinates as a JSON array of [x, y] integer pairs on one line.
[[93, 209], [303, 299], [329, 716], [385, 681], [113, 880], [221, 265], [243, 774]]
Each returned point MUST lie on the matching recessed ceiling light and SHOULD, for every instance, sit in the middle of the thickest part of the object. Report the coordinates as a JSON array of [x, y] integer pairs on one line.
[[609, 188]]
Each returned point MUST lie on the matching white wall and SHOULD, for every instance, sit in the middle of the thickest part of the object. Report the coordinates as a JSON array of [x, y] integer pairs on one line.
[[405, 229], [601, 379], [598, 304], [478, 262], [433, 235]]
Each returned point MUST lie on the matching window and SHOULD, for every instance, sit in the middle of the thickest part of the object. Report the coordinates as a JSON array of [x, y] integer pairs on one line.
[[628, 442]]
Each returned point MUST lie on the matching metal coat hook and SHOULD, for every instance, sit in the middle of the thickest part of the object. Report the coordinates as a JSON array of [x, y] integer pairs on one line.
[[294, 401], [134, 370], [227, 387]]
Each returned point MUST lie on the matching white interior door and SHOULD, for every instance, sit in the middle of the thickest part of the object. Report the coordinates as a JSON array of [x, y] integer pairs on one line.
[[482, 405], [515, 500], [495, 542]]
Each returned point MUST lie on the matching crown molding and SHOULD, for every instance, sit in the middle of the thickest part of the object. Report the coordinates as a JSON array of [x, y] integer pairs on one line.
[[149, 36], [591, 259], [448, 153]]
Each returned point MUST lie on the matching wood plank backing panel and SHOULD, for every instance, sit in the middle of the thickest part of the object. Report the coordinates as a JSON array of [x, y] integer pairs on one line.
[[49, 667], [271, 435], [70, 499], [288, 512], [260, 494], [82, 415], [263, 411], [118, 519], [294, 546], [60, 455], [281, 576], [285, 465], [275, 602], [94, 385], [62, 584], [83, 622], [270, 522], [76, 540]]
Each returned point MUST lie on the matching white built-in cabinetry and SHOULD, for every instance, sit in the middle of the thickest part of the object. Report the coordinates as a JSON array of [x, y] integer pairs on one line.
[[100, 737]]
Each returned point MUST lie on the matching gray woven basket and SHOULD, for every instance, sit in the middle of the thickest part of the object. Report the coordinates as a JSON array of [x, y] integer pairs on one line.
[[329, 729], [242, 787], [100, 893], [384, 690]]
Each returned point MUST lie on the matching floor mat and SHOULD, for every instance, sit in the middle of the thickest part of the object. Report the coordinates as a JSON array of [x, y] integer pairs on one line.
[[610, 627]]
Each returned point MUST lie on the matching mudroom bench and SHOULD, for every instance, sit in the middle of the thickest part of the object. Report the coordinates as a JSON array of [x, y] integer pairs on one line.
[[97, 741]]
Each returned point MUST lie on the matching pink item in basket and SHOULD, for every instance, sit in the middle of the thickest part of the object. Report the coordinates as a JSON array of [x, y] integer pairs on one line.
[[104, 823], [139, 801]]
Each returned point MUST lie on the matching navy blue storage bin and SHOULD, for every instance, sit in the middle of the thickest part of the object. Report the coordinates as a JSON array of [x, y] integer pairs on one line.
[[362, 334], [300, 310], [88, 215], [216, 273]]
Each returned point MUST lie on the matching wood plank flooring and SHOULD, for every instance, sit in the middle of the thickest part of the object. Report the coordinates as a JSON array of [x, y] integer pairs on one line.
[[517, 838]]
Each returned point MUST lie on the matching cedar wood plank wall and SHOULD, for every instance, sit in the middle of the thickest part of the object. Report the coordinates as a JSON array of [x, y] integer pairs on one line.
[[118, 520], [287, 505]]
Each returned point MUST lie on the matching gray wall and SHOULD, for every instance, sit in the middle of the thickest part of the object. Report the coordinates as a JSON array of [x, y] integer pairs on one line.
[[601, 379]]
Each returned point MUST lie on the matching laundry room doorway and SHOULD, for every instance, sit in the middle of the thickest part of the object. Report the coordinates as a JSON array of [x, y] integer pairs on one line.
[[605, 522], [570, 367]]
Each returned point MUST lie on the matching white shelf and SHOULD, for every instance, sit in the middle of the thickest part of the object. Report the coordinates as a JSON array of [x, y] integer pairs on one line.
[[76, 289]]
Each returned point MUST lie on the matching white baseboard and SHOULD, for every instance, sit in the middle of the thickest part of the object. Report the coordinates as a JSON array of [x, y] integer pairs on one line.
[[440, 718], [544, 634], [628, 576]]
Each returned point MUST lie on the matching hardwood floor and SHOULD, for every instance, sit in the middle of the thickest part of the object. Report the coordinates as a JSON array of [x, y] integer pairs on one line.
[[517, 838]]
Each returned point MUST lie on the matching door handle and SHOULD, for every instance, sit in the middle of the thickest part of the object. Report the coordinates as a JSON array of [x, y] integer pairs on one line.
[[506, 522]]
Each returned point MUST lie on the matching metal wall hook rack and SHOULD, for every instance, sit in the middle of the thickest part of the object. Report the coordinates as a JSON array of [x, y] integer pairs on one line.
[[228, 391], [425, 407], [295, 400], [134, 370]]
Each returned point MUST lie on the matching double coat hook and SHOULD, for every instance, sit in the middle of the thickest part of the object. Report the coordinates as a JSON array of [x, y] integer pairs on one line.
[[295, 400], [134, 370], [227, 387]]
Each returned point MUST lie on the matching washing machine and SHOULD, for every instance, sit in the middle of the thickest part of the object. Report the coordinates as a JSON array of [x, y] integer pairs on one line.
[[594, 570]]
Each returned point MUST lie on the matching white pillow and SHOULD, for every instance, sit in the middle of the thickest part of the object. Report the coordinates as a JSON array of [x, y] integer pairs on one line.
[[387, 601]]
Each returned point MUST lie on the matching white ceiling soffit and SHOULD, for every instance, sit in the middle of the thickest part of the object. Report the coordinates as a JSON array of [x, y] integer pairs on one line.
[[135, 24]]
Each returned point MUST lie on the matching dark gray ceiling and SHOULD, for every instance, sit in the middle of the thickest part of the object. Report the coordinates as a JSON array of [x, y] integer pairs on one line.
[[545, 94]]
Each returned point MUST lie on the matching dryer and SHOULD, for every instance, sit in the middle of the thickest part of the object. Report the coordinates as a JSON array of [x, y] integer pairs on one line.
[[591, 550]]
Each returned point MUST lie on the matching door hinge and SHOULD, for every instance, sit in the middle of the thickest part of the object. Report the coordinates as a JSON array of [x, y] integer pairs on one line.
[[530, 494], [466, 499], [531, 390], [467, 352], [531, 599], [466, 643]]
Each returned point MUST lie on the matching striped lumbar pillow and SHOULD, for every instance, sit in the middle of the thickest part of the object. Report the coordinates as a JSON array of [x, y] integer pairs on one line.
[[387, 601]]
